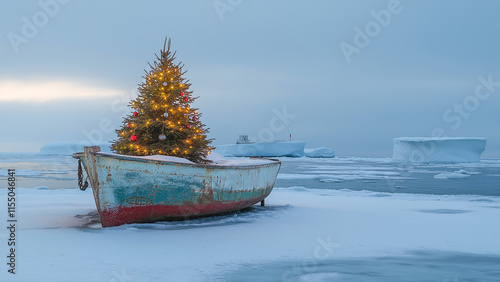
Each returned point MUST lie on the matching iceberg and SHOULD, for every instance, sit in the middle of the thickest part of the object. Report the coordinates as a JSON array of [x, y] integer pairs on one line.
[[438, 149], [322, 152], [71, 147], [263, 149]]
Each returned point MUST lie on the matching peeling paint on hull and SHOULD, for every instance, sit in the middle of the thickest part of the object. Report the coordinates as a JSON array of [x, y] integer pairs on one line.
[[131, 190]]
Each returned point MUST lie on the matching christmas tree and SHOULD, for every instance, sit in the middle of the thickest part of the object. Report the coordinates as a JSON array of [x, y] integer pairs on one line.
[[163, 121]]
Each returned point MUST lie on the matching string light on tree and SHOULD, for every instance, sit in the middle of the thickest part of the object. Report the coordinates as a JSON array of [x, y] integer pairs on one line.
[[164, 92]]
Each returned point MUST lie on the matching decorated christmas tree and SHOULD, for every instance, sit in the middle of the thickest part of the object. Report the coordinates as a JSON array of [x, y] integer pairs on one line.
[[163, 121]]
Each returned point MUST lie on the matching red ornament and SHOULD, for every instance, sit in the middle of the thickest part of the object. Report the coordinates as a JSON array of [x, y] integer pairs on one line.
[[186, 99], [195, 118], [128, 124], [182, 93], [135, 114], [133, 137], [188, 126]]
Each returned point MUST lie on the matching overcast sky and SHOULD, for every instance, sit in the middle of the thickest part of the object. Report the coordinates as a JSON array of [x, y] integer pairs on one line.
[[351, 75]]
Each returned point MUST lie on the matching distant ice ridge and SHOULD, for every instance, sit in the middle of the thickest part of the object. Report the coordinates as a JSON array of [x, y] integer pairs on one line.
[[438, 150], [268, 149], [264, 149], [322, 152], [71, 147]]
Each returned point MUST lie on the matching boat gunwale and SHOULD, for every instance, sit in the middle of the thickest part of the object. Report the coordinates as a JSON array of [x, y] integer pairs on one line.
[[201, 165]]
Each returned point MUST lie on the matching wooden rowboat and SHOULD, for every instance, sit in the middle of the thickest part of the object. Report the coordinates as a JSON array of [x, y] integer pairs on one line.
[[130, 189]]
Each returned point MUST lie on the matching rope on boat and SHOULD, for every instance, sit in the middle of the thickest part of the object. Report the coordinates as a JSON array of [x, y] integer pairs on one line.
[[83, 186]]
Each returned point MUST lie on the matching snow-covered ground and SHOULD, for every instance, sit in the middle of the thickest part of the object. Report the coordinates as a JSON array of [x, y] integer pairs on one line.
[[59, 241]]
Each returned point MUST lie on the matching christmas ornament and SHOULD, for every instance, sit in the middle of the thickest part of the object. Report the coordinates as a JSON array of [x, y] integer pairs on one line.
[[133, 137], [162, 137], [186, 99], [182, 93], [195, 118], [135, 114], [165, 114], [128, 124], [188, 126]]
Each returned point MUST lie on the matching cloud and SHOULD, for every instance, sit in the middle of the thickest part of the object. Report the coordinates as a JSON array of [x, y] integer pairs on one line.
[[12, 91]]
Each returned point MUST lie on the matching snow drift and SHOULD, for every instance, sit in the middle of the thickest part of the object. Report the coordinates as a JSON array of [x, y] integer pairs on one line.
[[322, 152], [217, 159], [429, 150], [71, 147], [264, 149]]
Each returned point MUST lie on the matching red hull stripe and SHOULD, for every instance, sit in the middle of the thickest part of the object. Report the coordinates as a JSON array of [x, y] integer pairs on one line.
[[151, 213]]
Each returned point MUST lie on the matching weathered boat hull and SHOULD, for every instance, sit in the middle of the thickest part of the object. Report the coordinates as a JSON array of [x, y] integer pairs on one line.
[[132, 190]]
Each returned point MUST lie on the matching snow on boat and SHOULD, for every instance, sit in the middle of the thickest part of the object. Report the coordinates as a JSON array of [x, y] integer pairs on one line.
[[130, 189]]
